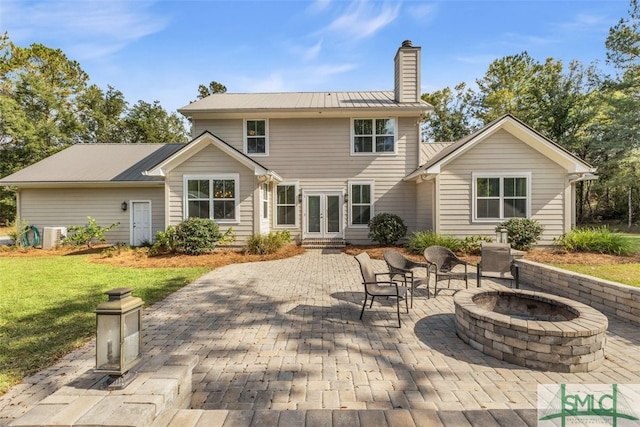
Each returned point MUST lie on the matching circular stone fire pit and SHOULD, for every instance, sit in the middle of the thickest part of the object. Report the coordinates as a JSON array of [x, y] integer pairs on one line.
[[531, 329]]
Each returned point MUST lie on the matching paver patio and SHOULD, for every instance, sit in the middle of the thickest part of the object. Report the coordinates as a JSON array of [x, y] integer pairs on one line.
[[280, 343]]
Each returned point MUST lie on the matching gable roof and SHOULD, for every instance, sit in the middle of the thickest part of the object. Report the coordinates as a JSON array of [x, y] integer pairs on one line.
[[517, 128], [302, 103], [94, 163], [206, 138]]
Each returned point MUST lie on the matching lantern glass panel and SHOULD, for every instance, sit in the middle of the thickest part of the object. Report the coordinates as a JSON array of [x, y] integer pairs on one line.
[[108, 344], [131, 336]]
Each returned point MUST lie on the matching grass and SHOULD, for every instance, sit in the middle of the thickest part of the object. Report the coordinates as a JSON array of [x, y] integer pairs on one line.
[[47, 304], [629, 274]]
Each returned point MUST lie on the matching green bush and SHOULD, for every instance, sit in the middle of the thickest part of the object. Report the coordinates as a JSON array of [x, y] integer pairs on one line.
[[165, 242], [386, 228], [262, 244], [522, 233], [196, 236], [472, 245], [596, 239], [420, 240], [87, 234]]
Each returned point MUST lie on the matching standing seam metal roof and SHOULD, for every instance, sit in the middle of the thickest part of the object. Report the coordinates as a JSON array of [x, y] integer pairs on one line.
[[299, 101]]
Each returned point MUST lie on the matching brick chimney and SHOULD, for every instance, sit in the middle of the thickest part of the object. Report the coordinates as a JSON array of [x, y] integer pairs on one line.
[[407, 73]]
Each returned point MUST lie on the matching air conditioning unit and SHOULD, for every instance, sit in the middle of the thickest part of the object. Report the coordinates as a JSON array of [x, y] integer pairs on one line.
[[52, 237]]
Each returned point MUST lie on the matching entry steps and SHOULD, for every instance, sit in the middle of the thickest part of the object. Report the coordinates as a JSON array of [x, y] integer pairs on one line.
[[323, 243]]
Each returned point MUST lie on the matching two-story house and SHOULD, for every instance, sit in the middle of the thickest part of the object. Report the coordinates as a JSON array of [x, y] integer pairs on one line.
[[319, 165]]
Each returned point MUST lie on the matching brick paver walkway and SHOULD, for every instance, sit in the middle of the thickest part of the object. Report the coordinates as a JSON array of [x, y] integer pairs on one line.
[[282, 340]]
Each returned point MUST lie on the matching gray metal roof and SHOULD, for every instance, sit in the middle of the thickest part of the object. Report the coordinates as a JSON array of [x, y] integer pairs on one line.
[[95, 163], [299, 101]]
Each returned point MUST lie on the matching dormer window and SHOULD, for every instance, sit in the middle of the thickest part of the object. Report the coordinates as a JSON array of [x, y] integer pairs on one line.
[[374, 136], [256, 140]]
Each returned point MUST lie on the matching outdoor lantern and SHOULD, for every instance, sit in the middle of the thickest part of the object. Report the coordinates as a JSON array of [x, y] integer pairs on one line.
[[501, 235], [119, 336], [123, 206]]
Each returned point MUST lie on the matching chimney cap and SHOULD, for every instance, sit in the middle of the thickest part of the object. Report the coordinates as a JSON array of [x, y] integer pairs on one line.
[[407, 43]]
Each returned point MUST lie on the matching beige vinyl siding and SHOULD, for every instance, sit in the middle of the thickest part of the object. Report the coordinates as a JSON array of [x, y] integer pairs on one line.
[[211, 161], [424, 205], [317, 154], [407, 77], [501, 153], [61, 207]]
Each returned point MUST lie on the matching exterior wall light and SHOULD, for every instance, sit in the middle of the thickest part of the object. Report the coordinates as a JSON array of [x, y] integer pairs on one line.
[[124, 206], [118, 337]]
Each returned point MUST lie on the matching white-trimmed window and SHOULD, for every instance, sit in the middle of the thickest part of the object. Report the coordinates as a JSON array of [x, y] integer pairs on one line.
[[501, 196], [286, 196], [372, 136], [212, 196], [256, 136], [360, 203]]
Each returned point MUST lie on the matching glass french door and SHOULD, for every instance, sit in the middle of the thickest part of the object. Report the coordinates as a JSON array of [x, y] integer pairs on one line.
[[323, 215]]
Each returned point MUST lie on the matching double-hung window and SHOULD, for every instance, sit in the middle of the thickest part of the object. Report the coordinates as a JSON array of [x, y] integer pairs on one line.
[[212, 196], [286, 204], [360, 203], [501, 196], [256, 138], [374, 136]]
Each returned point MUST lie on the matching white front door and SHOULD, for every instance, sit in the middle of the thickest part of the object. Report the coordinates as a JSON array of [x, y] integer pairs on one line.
[[140, 222], [323, 214]]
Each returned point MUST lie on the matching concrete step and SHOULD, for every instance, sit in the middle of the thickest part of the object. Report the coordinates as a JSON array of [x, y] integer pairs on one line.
[[323, 243]]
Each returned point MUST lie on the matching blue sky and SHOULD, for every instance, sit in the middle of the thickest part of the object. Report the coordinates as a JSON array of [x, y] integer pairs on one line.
[[163, 49]]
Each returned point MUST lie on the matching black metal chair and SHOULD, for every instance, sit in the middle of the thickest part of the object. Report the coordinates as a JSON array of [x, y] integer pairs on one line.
[[403, 267], [496, 262], [443, 262], [379, 288]]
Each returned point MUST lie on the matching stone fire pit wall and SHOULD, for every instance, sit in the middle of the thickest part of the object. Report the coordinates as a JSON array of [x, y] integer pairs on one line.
[[574, 345]]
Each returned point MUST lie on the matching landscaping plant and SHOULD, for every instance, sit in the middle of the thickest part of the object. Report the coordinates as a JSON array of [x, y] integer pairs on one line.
[[596, 239], [420, 240], [522, 233], [472, 245], [87, 234], [387, 228], [262, 244], [196, 236]]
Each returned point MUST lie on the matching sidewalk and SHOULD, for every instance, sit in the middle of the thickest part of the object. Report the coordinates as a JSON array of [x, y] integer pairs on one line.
[[285, 336]]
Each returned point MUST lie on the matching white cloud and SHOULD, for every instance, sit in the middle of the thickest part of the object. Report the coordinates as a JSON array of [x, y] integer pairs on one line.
[[87, 29], [363, 19], [585, 22]]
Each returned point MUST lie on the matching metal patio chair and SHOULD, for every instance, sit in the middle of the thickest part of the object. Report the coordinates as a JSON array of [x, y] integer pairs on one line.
[[403, 267], [375, 287], [443, 262], [496, 262]]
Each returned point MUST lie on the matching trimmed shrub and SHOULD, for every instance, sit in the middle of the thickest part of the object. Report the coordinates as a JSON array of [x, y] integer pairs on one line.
[[596, 239], [523, 233], [387, 228], [196, 236], [420, 240], [262, 244]]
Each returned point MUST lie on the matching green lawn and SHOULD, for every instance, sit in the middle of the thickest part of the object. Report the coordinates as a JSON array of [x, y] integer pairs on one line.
[[629, 274], [47, 303]]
